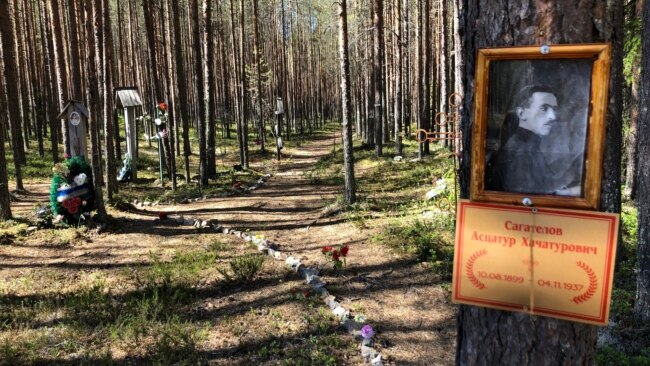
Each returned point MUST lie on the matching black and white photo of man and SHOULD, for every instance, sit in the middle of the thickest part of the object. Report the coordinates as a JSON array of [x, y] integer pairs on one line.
[[536, 144]]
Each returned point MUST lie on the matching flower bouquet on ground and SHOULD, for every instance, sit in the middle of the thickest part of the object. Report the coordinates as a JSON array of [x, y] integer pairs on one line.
[[71, 192], [338, 254]]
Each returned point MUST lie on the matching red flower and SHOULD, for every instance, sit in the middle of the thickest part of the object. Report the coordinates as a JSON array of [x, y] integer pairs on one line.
[[344, 250], [162, 215], [162, 106], [335, 255], [326, 249]]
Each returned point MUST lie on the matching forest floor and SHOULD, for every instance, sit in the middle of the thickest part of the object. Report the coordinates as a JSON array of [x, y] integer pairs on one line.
[[147, 290]]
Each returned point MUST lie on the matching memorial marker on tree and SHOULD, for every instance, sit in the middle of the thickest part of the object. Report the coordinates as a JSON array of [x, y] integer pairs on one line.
[[76, 118]]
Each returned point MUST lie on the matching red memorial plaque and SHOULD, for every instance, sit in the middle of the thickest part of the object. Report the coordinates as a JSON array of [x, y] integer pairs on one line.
[[544, 261]]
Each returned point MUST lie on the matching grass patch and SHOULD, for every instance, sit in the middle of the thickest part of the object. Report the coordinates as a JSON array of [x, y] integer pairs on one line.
[[631, 345], [146, 320], [428, 240], [244, 267], [148, 314]]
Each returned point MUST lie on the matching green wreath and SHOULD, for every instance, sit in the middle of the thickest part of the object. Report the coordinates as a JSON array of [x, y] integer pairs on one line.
[[71, 192]]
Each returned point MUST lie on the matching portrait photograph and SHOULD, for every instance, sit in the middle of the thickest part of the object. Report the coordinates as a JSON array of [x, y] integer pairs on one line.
[[533, 129]]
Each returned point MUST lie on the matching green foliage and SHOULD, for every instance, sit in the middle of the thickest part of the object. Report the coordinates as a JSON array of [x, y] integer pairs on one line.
[[631, 46], [244, 267], [608, 356], [91, 306], [622, 303], [625, 276], [632, 338], [321, 345], [428, 239], [629, 224], [182, 271], [177, 342]]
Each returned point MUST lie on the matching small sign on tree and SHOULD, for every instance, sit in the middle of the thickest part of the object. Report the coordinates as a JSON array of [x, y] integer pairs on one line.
[[76, 117], [128, 99]]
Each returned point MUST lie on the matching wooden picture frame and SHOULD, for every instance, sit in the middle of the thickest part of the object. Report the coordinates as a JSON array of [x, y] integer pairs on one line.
[[539, 125]]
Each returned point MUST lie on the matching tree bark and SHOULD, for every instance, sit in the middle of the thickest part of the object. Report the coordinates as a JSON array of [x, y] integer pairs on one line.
[[199, 79], [427, 74], [378, 20], [642, 304], [107, 60], [172, 127], [348, 156], [92, 88], [10, 57], [490, 337], [258, 66], [183, 99], [77, 87], [419, 72], [398, 78], [50, 76], [5, 40], [243, 86], [210, 102]]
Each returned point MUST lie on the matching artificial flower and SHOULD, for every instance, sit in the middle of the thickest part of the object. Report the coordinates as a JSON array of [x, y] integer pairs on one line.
[[336, 255], [344, 250], [367, 332]]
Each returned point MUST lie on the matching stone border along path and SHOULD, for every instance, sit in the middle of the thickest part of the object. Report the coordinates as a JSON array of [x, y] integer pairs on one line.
[[310, 275]]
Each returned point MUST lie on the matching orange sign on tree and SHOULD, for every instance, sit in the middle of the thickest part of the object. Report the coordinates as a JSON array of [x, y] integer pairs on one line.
[[544, 261]]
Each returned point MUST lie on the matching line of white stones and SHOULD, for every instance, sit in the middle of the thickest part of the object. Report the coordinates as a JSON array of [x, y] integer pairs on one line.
[[309, 275]]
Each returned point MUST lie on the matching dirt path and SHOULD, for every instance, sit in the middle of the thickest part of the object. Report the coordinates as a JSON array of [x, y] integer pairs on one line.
[[400, 298]]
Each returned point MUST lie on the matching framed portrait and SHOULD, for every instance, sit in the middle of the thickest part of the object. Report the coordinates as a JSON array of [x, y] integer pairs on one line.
[[539, 125]]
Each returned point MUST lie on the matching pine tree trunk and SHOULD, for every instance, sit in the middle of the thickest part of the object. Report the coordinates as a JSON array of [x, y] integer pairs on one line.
[[348, 156], [92, 88], [427, 65], [77, 88], [60, 69], [285, 76], [172, 127], [50, 80], [10, 57], [398, 78], [107, 61], [491, 337], [210, 86], [258, 66], [419, 72], [7, 69], [378, 8], [183, 99], [199, 80], [243, 86], [642, 305]]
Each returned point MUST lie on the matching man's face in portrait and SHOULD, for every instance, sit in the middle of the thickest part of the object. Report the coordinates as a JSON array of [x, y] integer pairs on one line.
[[540, 113]]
